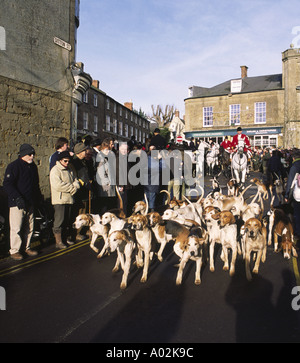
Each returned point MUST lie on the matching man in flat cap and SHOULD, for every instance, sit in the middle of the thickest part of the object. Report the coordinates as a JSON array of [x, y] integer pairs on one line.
[[21, 184]]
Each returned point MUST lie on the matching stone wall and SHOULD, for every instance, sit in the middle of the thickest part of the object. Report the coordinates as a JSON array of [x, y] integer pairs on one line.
[[35, 116]]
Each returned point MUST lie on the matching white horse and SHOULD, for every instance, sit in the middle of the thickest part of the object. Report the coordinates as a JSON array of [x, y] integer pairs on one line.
[[212, 159], [239, 165]]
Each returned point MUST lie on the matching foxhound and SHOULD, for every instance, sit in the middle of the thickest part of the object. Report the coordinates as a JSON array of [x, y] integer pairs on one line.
[[282, 227], [115, 223], [191, 249], [254, 236], [279, 189], [233, 188], [262, 188], [141, 207], [124, 244], [252, 210], [143, 235], [93, 221], [166, 230], [228, 236]]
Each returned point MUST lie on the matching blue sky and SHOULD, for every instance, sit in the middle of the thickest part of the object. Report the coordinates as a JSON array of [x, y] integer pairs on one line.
[[152, 51]]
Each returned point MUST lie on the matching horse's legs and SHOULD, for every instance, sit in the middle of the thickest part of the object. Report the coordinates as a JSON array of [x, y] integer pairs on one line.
[[244, 175], [237, 176]]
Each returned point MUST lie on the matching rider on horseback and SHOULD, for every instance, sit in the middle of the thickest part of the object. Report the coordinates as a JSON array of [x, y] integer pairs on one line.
[[241, 140], [226, 145]]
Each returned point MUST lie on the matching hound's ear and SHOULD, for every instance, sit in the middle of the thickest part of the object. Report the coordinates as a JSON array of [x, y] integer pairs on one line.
[[201, 241], [232, 219], [144, 220], [216, 216], [260, 227], [90, 219]]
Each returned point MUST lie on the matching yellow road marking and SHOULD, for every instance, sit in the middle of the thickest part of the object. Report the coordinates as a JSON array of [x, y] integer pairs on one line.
[[296, 270], [41, 259]]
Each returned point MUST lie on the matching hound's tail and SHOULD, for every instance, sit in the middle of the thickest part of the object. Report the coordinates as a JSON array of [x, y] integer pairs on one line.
[[120, 198]]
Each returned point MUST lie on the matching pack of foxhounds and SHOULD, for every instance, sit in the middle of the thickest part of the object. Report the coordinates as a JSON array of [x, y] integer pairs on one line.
[[240, 225]]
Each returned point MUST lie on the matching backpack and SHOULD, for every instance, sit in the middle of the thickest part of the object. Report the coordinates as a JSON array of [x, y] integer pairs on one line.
[[296, 190]]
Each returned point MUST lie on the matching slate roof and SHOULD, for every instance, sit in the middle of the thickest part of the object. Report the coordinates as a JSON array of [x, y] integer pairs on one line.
[[249, 84]]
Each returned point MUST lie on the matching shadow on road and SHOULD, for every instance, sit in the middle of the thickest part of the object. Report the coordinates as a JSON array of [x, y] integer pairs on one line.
[[151, 316], [257, 319]]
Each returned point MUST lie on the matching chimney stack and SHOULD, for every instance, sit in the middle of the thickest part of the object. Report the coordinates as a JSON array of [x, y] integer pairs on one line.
[[95, 84], [244, 71], [129, 105]]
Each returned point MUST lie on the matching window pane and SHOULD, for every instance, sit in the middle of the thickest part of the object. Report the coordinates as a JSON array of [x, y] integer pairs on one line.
[[235, 114], [260, 112], [207, 116]]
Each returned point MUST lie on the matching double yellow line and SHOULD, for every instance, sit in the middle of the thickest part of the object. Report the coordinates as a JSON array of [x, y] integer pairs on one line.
[[296, 270], [41, 259]]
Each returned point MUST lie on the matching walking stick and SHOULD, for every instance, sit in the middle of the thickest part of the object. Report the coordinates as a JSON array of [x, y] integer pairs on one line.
[[90, 201]]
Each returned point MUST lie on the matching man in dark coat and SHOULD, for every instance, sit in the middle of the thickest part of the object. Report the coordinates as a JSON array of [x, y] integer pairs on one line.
[[158, 141], [275, 167], [82, 195], [21, 184]]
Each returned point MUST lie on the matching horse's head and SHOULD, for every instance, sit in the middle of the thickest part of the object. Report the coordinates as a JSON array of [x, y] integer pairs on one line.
[[240, 151]]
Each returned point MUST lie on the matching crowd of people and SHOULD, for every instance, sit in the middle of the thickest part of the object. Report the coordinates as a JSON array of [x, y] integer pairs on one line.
[[89, 178]]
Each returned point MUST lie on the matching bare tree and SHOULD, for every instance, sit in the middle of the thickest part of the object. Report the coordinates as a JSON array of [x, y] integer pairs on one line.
[[162, 118]]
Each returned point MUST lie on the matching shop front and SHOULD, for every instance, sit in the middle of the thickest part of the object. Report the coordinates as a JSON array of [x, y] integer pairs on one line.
[[259, 137]]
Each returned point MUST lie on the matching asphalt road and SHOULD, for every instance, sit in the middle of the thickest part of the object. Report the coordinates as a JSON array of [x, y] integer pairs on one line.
[[73, 297], [70, 297]]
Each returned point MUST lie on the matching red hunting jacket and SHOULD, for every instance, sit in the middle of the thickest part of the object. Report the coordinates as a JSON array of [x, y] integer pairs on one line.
[[235, 142]]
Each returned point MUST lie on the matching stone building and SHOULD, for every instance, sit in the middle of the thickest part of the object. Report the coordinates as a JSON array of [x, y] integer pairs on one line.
[[40, 83], [101, 116], [266, 107]]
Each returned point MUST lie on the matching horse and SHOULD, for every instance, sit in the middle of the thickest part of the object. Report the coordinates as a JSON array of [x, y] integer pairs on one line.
[[212, 159], [224, 160], [239, 165]]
